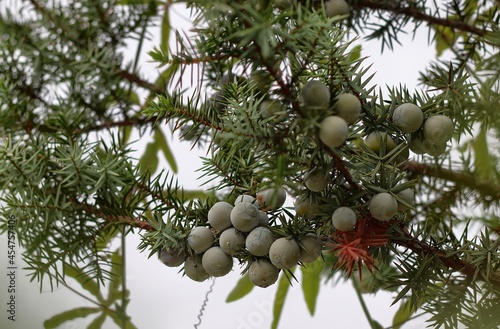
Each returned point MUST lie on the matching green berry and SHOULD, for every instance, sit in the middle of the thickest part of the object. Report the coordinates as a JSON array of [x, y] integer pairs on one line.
[[333, 131], [219, 216], [263, 273], [284, 253], [383, 206], [407, 196], [438, 129], [216, 262], [317, 180], [305, 207], [336, 8], [344, 219], [315, 94], [348, 107], [408, 117], [200, 239], [261, 80], [259, 240], [272, 109], [375, 139], [232, 241]]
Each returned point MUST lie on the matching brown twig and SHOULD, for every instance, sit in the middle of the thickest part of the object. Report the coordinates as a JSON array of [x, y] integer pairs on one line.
[[396, 8], [450, 260], [461, 179]]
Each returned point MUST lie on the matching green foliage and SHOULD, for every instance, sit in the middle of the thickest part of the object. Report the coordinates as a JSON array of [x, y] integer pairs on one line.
[[73, 179]]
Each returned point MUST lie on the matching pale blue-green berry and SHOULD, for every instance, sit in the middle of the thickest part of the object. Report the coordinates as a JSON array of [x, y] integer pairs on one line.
[[284, 253], [259, 240], [263, 273], [172, 257], [244, 198], [216, 262], [219, 215], [311, 247], [408, 117], [333, 131], [194, 270], [438, 129], [383, 206], [200, 239], [344, 219], [315, 94], [348, 107], [232, 241], [245, 216]]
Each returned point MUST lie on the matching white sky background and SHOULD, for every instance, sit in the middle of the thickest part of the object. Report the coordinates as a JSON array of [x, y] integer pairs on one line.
[[162, 298]]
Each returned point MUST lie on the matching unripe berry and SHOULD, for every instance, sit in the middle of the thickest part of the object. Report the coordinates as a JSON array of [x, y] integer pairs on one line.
[[310, 248], [261, 80], [216, 262], [408, 117], [316, 180], [407, 195], [194, 269], [336, 7], [333, 131], [438, 129], [245, 216], [232, 241], [200, 239], [272, 108], [259, 240], [172, 258], [271, 198], [344, 219], [418, 144], [219, 216], [375, 139], [263, 273], [348, 107], [315, 94], [436, 149], [284, 253], [383, 206], [305, 207]]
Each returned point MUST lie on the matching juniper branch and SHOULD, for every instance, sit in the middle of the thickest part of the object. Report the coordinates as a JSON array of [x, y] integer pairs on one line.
[[418, 15], [489, 189]]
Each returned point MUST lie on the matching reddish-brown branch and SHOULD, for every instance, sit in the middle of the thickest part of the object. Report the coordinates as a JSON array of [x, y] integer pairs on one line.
[[396, 8], [120, 219], [450, 260]]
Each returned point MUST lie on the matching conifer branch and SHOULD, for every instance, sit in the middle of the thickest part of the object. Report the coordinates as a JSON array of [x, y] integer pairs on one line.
[[417, 14], [461, 179], [449, 259]]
